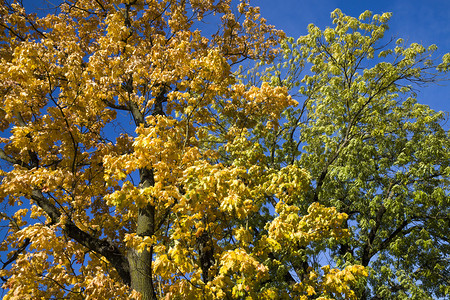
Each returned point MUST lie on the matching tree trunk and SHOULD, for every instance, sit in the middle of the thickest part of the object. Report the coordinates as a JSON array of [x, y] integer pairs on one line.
[[141, 263]]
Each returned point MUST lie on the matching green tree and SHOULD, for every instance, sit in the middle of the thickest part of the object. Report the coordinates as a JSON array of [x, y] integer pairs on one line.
[[372, 150]]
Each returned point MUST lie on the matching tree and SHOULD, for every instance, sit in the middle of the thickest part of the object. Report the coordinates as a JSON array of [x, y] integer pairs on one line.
[[371, 149], [131, 166]]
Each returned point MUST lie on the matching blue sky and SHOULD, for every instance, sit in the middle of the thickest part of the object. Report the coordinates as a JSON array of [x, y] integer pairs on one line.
[[419, 21]]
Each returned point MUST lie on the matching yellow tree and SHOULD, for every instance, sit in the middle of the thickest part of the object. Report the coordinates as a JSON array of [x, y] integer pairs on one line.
[[130, 163]]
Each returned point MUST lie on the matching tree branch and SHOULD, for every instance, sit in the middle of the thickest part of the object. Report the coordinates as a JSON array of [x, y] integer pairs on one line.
[[11, 160], [115, 106], [367, 252], [16, 253], [389, 239], [102, 247]]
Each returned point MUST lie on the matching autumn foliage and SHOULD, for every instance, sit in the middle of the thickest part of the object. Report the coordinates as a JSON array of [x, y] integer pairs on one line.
[[141, 160]]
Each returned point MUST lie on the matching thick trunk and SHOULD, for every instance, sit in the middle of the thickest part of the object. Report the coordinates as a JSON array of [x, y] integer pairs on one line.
[[141, 273], [141, 262]]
